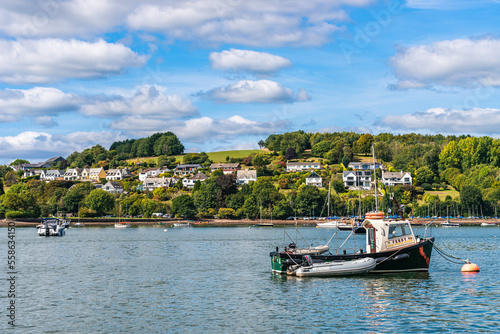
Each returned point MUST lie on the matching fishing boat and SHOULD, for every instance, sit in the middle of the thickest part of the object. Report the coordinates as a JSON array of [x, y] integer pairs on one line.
[[51, 227], [335, 268], [390, 242]]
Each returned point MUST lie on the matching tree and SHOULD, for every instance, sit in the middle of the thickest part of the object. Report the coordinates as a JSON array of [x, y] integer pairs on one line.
[[424, 175], [291, 154], [309, 200], [100, 201], [364, 143], [19, 162], [470, 197], [183, 206]]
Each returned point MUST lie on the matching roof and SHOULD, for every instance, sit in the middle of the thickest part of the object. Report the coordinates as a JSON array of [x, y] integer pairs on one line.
[[302, 163], [226, 165], [313, 175], [199, 176]]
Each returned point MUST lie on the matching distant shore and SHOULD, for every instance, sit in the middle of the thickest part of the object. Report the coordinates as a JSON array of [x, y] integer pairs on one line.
[[96, 222]]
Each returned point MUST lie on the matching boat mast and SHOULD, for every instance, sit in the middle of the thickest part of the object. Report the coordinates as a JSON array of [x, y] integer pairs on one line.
[[375, 175]]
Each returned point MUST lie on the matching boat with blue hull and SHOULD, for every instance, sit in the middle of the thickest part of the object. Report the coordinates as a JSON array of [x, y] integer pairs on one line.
[[391, 243]]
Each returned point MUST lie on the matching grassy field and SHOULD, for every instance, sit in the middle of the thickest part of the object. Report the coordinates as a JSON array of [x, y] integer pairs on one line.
[[214, 156], [443, 193]]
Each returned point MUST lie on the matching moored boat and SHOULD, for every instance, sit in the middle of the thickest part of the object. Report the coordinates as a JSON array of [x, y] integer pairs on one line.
[[311, 250], [391, 243], [51, 227], [488, 224], [122, 225], [448, 223]]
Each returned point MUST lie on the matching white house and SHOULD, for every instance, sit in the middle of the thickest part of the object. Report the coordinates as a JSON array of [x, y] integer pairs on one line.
[[117, 174], [189, 182], [357, 179], [32, 172], [227, 168], [314, 180], [150, 172], [73, 174], [395, 178], [112, 187], [364, 165], [245, 176], [51, 174], [301, 166], [152, 183]]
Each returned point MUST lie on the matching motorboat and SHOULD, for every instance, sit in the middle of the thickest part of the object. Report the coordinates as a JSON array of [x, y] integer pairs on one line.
[[334, 268], [329, 224], [122, 225], [448, 223], [390, 242], [51, 227], [488, 224], [181, 225]]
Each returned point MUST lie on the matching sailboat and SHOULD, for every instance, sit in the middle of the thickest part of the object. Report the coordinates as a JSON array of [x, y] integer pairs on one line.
[[261, 224], [121, 224], [329, 223]]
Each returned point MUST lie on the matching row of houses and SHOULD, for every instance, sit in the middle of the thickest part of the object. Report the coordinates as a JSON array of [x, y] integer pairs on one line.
[[81, 174]]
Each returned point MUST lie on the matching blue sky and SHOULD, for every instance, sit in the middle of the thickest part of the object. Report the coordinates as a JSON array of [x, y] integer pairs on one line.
[[223, 74]]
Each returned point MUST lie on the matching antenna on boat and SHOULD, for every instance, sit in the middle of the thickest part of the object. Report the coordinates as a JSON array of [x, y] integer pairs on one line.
[[375, 175]]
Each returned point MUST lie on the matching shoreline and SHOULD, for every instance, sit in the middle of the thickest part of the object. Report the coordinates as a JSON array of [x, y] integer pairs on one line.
[[228, 222]]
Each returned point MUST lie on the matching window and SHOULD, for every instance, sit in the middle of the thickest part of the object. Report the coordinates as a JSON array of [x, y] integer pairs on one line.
[[399, 230]]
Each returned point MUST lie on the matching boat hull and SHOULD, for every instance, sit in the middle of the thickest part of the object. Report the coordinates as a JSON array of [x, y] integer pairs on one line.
[[413, 258]]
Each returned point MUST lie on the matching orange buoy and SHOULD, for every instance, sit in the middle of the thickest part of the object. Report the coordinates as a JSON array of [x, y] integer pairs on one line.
[[470, 268]]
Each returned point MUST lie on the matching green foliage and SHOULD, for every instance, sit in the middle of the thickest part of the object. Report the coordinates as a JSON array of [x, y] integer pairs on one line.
[[19, 162], [100, 201], [196, 158], [424, 175], [183, 205], [226, 213]]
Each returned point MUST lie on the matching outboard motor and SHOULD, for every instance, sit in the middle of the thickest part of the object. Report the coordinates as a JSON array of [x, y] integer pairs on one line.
[[307, 259], [47, 231]]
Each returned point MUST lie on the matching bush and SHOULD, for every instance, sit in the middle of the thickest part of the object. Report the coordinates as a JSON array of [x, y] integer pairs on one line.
[[426, 186], [15, 214], [86, 212]]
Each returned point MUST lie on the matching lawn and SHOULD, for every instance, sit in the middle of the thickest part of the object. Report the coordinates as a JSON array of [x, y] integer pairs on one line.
[[443, 193], [214, 156]]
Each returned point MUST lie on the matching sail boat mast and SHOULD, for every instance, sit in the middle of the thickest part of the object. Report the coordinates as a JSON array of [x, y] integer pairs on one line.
[[375, 178]]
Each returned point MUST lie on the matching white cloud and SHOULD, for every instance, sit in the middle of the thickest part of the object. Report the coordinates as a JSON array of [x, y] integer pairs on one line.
[[261, 91], [440, 120], [147, 101], [254, 23], [50, 60], [39, 146], [200, 130], [38, 101], [248, 61], [456, 63]]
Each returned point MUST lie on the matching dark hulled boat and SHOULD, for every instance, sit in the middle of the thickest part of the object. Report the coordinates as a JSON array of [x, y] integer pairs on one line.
[[391, 243]]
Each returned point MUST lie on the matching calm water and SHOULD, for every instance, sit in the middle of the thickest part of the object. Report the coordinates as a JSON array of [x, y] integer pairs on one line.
[[218, 280]]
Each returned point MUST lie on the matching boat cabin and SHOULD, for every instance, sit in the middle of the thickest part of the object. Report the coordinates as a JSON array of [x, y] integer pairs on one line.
[[383, 235]]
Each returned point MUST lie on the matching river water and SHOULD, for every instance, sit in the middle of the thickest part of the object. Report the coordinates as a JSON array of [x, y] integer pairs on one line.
[[218, 280]]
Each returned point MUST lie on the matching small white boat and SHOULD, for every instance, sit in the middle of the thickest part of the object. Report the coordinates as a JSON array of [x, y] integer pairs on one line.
[[450, 224], [330, 224], [51, 227], [488, 224], [316, 250], [122, 225], [78, 224], [181, 225], [336, 268]]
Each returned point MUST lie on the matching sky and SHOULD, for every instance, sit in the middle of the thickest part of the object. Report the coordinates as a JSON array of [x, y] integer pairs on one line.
[[224, 74]]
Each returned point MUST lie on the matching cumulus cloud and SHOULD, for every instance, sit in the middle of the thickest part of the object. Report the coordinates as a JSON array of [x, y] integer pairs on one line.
[[440, 120], [147, 101], [261, 91], [50, 60], [31, 145], [200, 130], [35, 102], [260, 63], [456, 63]]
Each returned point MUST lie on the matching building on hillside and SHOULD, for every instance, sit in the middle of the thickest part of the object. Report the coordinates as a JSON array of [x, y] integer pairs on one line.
[[117, 174], [314, 180], [46, 164], [302, 166], [227, 168], [186, 169], [189, 182], [364, 165], [52, 174], [32, 172], [395, 178], [112, 187], [93, 174], [245, 176], [152, 183], [73, 174], [357, 179], [150, 172]]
